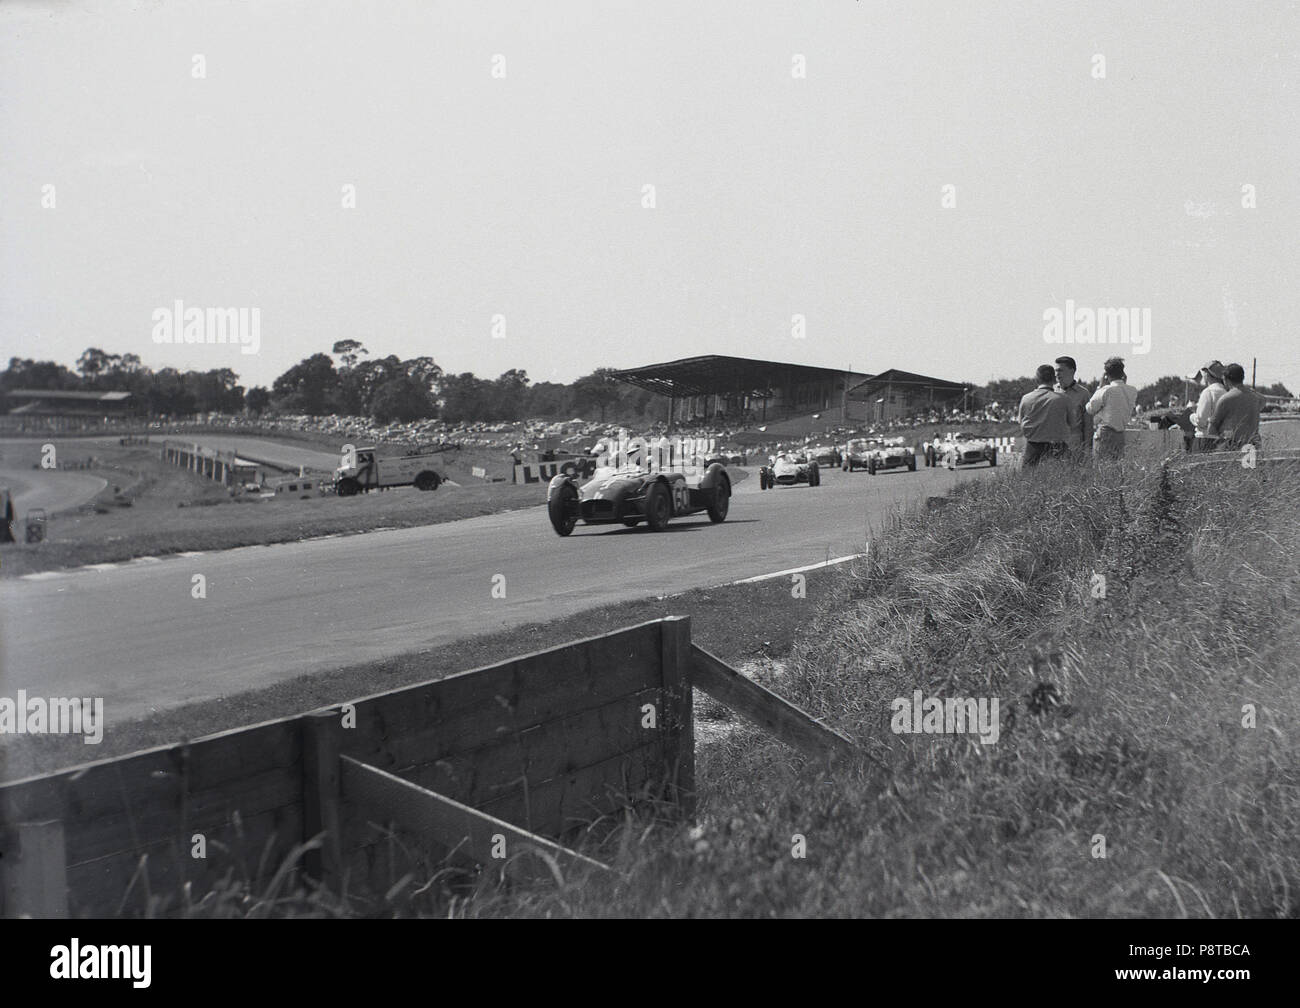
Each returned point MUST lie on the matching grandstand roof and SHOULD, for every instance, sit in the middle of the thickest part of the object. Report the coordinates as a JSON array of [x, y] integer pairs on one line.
[[58, 402], [55, 395], [717, 375]]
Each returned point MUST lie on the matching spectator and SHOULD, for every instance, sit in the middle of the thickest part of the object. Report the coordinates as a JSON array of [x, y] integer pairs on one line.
[[1111, 406], [1081, 436], [1236, 414], [1047, 419], [1211, 377]]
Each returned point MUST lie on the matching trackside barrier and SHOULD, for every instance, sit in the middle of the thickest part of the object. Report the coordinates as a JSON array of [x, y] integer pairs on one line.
[[498, 766]]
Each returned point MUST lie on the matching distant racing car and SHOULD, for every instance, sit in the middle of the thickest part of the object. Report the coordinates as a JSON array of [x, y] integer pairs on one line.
[[632, 494], [789, 469], [966, 449], [826, 455], [891, 454]]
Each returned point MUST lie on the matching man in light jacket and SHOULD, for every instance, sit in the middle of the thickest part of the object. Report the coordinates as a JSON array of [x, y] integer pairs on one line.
[[1211, 378], [1111, 406]]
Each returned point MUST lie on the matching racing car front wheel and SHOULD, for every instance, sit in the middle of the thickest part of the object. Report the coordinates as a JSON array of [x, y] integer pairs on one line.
[[658, 507], [721, 502], [563, 509]]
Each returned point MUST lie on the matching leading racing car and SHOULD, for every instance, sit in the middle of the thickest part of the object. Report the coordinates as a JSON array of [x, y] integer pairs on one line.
[[632, 494], [789, 469]]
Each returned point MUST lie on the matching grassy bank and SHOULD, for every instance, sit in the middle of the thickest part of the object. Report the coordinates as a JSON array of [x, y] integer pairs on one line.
[[1125, 718]]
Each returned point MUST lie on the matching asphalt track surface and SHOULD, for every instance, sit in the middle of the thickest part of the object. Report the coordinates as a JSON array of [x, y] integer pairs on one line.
[[133, 634], [49, 489]]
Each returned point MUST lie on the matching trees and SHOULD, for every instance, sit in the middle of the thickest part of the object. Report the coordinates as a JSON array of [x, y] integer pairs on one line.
[[1162, 390], [402, 398], [596, 391], [256, 400], [311, 386], [94, 362]]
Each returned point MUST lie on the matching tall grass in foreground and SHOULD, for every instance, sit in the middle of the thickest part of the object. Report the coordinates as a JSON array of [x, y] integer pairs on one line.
[[1122, 718]]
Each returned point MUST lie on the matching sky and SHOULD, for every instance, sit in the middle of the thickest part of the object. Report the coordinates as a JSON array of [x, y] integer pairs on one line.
[[499, 152]]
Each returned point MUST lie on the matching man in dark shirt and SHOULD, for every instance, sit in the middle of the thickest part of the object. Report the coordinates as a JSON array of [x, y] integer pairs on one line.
[[1236, 414], [1081, 436], [1047, 418]]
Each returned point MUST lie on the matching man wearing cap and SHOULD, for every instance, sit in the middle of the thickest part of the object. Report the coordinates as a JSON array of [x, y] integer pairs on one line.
[[1236, 415], [1211, 377], [1047, 419], [1081, 434]]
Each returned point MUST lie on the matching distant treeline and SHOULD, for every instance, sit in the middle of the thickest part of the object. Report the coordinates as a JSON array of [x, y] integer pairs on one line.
[[390, 389]]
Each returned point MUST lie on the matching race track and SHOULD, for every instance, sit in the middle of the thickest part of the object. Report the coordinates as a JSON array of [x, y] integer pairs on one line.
[[134, 635], [49, 489]]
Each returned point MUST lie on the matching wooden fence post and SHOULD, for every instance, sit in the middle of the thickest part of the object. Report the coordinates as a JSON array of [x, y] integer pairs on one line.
[[321, 735], [36, 872], [678, 720]]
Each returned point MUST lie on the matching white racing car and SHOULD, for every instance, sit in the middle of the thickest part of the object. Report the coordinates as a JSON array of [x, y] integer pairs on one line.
[[891, 454], [966, 449], [789, 469]]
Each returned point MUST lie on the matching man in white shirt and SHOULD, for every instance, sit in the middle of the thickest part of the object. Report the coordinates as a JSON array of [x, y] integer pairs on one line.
[[1111, 406], [1211, 377]]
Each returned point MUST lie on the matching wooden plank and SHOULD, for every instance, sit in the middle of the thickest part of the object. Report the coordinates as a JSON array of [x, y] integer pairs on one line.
[[454, 825], [322, 733], [783, 719], [155, 781], [678, 713], [562, 746], [565, 804], [507, 697], [35, 872], [97, 887], [125, 829]]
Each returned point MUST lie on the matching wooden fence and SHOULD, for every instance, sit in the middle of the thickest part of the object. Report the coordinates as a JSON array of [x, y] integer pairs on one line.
[[499, 766]]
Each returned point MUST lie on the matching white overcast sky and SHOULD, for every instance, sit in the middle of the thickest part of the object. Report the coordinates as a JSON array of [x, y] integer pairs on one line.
[[776, 196]]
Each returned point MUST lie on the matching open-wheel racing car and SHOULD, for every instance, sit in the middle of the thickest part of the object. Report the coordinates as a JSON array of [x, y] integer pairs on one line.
[[966, 449], [891, 454], [789, 469], [632, 494], [857, 453]]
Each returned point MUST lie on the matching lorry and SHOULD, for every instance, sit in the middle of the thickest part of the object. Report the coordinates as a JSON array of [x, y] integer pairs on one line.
[[370, 469]]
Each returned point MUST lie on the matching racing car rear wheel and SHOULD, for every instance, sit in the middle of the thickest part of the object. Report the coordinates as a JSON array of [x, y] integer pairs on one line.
[[911, 464], [871, 468], [815, 477], [721, 502], [993, 459], [563, 509], [658, 507]]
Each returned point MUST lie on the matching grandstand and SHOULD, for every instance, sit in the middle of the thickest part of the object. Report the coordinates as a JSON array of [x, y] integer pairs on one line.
[[737, 391], [56, 409]]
